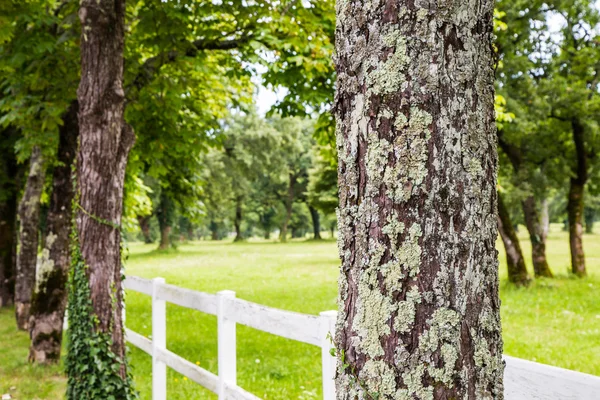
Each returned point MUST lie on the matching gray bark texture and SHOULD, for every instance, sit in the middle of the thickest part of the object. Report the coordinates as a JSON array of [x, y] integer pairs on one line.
[[29, 217], [105, 142], [418, 307], [50, 295]]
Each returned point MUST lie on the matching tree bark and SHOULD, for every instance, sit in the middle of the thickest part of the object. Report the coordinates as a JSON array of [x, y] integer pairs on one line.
[[8, 221], [418, 307], [316, 222], [575, 203], [537, 235], [50, 296], [29, 217], [237, 222], [105, 142], [288, 203], [517, 271], [144, 221]]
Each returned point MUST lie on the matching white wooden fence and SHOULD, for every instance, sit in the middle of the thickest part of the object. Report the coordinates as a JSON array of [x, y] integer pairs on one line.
[[523, 380]]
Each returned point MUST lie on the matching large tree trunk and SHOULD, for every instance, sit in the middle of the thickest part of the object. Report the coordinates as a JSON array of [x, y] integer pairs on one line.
[[165, 221], [144, 221], [575, 203], [29, 217], [419, 307], [537, 235], [105, 142], [8, 221], [50, 297], [517, 271], [575, 212], [316, 222], [289, 204], [237, 222]]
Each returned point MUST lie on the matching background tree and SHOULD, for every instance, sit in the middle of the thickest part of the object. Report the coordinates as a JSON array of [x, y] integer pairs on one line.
[[419, 307]]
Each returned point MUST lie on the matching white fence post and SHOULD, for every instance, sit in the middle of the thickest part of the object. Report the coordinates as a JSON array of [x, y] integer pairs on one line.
[[226, 344], [159, 341], [327, 333]]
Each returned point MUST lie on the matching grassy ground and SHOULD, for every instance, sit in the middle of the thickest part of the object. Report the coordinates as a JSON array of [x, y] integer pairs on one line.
[[554, 321]]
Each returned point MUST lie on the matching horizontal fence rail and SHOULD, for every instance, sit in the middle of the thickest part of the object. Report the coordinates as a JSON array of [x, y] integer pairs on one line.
[[523, 380]]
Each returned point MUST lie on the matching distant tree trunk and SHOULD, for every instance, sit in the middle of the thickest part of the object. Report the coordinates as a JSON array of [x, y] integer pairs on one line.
[[29, 216], [50, 297], [165, 221], [288, 203], [8, 220], [418, 308], [237, 222], [536, 227], [214, 231], [589, 215], [105, 142], [575, 203], [537, 234], [517, 271], [575, 212], [267, 235], [316, 222], [144, 221]]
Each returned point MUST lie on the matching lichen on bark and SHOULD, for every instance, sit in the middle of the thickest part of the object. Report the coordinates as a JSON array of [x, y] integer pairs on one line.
[[418, 306]]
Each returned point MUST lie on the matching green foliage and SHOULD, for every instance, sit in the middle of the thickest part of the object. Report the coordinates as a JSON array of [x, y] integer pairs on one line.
[[93, 369]]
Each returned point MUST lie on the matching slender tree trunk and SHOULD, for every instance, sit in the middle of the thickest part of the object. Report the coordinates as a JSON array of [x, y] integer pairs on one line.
[[289, 203], [575, 212], [575, 203], [8, 220], [144, 221], [214, 231], [165, 221], [50, 296], [316, 222], [589, 215], [237, 222], [105, 142], [517, 271], [29, 216], [537, 235], [419, 307]]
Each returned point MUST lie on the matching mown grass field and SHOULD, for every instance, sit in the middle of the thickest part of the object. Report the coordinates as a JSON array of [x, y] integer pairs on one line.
[[554, 321]]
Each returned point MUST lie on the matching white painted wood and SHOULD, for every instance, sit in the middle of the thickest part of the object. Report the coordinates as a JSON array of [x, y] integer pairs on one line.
[[138, 341], [528, 380], [207, 303], [291, 325], [523, 380], [233, 392], [159, 342], [226, 344], [199, 375], [328, 361], [138, 284]]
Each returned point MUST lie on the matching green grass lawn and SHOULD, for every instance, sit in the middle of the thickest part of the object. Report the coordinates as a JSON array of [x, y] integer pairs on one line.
[[554, 321]]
